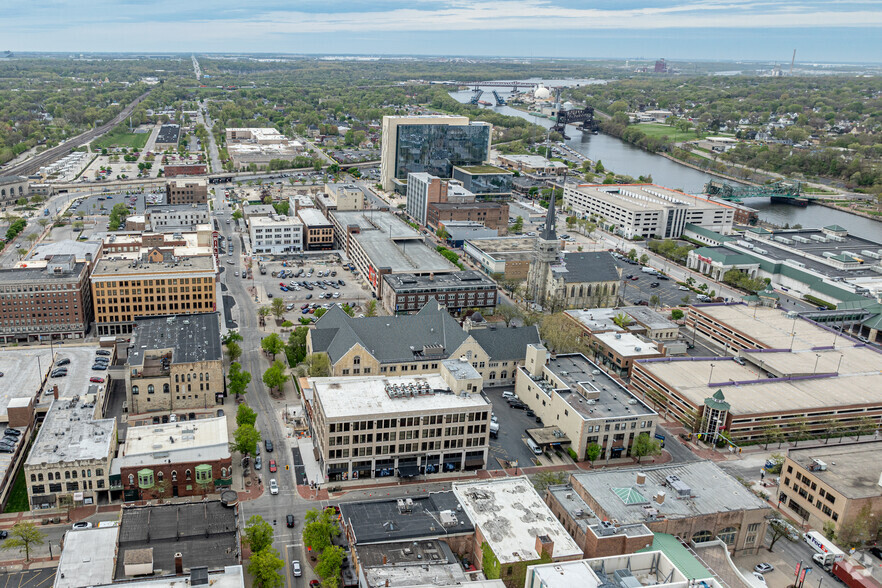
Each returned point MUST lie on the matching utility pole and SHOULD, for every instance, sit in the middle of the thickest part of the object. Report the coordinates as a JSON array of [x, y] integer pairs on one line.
[[792, 61]]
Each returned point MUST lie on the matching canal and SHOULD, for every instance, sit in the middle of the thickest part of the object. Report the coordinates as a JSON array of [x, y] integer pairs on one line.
[[624, 158]]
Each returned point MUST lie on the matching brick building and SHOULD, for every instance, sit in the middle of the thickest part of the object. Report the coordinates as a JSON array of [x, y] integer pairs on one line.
[[188, 458], [493, 215], [318, 232], [172, 171], [408, 293], [186, 192], [43, 300]]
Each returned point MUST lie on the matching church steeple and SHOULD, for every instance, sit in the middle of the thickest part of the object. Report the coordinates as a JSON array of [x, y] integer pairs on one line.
[[549, 233]]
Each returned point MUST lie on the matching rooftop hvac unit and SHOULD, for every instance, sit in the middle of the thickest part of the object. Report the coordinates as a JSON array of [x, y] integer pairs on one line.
[[680, 487], [760, 251], [447, 518], [819, 238], [817, 466]]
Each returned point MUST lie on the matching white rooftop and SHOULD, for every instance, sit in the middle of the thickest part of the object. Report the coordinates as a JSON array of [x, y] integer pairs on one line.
[[88, 558], [350, 396], [510, 514], [23, 369], [312, 217], [275, 220], [231, 577], [200, 440], [628, 344], [70, 433], [565, 574], [596, 319]]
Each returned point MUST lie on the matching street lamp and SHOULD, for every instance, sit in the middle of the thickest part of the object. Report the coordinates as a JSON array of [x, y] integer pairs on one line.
[[711, 374], [817, 359], [841, 355]]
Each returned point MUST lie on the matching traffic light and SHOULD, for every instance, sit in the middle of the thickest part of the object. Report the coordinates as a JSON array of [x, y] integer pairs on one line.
[[287, 467]]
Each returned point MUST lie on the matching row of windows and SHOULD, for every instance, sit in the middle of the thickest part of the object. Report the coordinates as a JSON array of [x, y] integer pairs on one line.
[[56, 487], [68, 475], [102, 285]]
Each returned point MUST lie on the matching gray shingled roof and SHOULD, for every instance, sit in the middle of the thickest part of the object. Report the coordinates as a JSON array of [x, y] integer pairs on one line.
[[503, 344], [588, 266], [390, 339]]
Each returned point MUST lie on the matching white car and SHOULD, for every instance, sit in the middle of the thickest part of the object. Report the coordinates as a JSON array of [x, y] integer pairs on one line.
[[82, 525], [295, 569], [683, 288], [274, 486]]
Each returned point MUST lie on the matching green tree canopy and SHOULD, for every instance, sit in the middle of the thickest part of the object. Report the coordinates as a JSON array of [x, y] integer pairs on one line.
[[330, 563], [272, 344], [264, 568], [321, 526], [245, 415], [118, 215], [644, 446], [234, 351], [277, 307], [275, 377], [238, 379], [319, 365], [23, 536], [258, 534], [245, 440]]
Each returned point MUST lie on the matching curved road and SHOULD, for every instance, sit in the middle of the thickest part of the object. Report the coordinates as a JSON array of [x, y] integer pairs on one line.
[[33, 164]]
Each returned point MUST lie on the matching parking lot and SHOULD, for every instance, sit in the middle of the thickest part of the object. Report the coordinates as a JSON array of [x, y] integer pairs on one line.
[[79, 370], [352, 291], [668, 292], [103, 202], [509, 444]]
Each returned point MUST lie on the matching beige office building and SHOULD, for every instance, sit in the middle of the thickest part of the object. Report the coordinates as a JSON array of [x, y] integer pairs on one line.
[[404, 426]]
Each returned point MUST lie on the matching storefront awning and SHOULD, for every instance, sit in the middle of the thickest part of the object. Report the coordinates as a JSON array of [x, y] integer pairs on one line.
[[408, 471]]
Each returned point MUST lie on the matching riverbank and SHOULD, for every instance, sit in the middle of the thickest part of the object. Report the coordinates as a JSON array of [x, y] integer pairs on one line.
[[707, 171], [849, 210]]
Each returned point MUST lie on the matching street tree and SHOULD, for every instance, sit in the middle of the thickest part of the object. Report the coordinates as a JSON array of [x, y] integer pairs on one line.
[[118, 215], [277, 308], [644, 259], [799, 431], [272, 344], [263, 312], [23, 536], [654, 301], [676, 314], [518, 225], [264, 568], [560, 333], [231, 336], [320, 312], [234, 351], [319, 365], [258, 534], [542, 480], [779, 529], [645, 446], [508, 312], [771, 434], [864, 426], [245, 415], [245, 440], [320, 528], [371, 308], [330, 563], [592, 451], [238, 380], [22, 251], [275, 377]]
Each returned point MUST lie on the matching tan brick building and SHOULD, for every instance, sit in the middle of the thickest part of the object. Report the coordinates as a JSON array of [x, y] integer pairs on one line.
[[153, 285], [493, 215], [186, 191], [175, 365]]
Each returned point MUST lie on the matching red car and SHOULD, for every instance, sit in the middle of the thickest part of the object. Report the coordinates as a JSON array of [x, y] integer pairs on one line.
[[314, 584], [97, 380], [273, 466]]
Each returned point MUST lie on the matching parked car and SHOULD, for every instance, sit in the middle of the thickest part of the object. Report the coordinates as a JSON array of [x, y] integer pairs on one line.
[[82, 525], [684, 288], [17, 433], [268, 445], [295, 569], [102, 352], [62, 362], [99, 367], [96, 380], [274, 486], [258, 463], [273, 467], [763, 567], [654, 285]]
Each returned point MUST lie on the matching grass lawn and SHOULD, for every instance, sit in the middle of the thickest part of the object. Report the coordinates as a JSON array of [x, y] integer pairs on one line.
[[18, 496], [121, 137], [656, 130]]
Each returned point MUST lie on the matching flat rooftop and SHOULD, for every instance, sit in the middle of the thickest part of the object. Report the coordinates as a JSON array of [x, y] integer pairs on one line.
[[350, 396], [175, 208], [628, 344], [511, 515], [756, 393], [647, 317], [203, 440], [811, 247], [168, 134], [191, 337], [78, 249], [597, 319], [88, 557], [381, 521], [852, 469], [706, 490], [23, 370], [312, 217], [37, 273], [205, 533], [274, 220], [502, 245], [454, 281], [410, 563], [645, 197], [483, 169], [586, 518], [228, 577], [70, 432], [119, 265], [771, 327], [585, 381]]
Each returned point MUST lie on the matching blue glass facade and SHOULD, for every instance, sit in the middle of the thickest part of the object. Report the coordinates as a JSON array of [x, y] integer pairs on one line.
[[485, 183], [435, 149]]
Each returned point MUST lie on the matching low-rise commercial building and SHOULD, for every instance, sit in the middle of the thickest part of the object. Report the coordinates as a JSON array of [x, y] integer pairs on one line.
[[509, 256], [175, 363], [585, 404], [417, 343], [379, 243], [647, 210], [487, 181], [46, 300], [514, 525], [255, 148], [189, 458], [639, 320], [88, 557], [408, 293], [532, 164], [69, 462], [440, 423], [173, 171], [177, 217], [275, 234], [493, 215], [695, 501], [12, 188], [318, 232], [155, 284], [342, 197], [831, 485], [458, 232], [190, 191], [168, 137], [618, 351]]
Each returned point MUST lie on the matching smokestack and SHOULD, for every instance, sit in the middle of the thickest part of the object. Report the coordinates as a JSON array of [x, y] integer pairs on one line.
[[660, 497], [179, 563], [641, 478]]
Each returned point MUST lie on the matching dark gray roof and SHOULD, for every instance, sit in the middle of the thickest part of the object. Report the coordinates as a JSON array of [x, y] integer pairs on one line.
[[38, 274], [390, 339], [442, 282], [381, 520], [12, 179], [589, 266], [203, 532], [168, 134], [503, 344], [192, 337]]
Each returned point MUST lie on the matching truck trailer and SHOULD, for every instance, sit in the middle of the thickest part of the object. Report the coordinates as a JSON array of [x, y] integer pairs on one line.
[[854, 575]]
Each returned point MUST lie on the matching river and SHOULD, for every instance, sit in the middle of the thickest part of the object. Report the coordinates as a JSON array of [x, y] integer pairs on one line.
[[624, 158]]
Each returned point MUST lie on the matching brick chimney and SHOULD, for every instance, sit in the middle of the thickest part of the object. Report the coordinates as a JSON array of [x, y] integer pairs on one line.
[[544, 545], [55, 391], [179, 563]]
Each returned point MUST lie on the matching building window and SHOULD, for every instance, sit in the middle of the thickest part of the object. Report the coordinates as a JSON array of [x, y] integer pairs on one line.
[[727, 535], [150, 389], [145, 479], [134, 390], [174, 475], [203, 474], [159, 476], [702, 536], [188, 475], [356, 360]]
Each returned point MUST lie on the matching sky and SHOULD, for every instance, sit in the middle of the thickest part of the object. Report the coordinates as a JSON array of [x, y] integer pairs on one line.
[[820, 30]]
